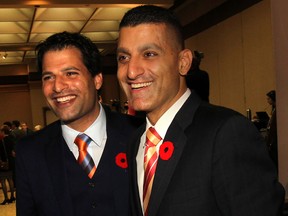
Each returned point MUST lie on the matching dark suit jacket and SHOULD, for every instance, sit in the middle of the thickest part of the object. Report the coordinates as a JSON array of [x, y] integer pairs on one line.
[[219, 166], [198, 80], [42, 183]]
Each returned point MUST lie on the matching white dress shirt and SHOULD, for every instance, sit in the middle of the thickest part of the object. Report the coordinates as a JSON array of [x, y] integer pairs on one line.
[[97, 132], [161, 127]]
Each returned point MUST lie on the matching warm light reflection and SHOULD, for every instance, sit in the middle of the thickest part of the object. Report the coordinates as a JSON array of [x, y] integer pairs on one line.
[[22, 27], [4, 56], [37, 3]]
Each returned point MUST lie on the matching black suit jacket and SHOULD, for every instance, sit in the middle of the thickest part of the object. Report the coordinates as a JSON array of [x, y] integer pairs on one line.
[[42, 183], [219, 166]]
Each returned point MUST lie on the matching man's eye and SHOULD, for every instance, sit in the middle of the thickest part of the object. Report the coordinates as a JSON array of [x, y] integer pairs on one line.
[[122, 58], [150, 54], [45, 78], [71, 73]]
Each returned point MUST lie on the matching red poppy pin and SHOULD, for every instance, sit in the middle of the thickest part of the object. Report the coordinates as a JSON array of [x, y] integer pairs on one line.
[[166, 150], [121, 160]]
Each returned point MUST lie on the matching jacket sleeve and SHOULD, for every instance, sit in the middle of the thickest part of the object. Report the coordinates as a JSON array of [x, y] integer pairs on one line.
[[244, 177], [25, 202]]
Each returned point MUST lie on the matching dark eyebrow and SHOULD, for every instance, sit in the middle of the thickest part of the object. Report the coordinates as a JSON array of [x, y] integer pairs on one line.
[[150, 46], [122, 50], [46, 73], [70, 68], [141, 49], [63, 70]]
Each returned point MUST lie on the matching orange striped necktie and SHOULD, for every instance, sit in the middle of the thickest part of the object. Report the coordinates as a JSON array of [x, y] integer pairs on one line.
[[84, 159], [150, 163]]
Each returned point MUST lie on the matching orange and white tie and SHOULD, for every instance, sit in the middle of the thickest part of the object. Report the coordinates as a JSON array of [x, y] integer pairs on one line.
[[150, 163]]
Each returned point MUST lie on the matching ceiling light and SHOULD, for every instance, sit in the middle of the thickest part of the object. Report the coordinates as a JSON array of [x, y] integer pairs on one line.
[[5, 56]]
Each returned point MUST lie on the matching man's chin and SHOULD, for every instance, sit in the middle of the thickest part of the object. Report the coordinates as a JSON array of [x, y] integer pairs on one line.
[[139, 108], [66, 119]]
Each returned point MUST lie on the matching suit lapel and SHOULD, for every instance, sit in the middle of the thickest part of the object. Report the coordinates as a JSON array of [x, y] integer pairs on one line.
[[55, 162], [132, 163], [176, 135], [113, 136]]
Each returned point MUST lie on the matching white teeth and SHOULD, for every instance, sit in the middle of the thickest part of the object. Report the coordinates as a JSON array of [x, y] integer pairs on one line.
[[65, 99], [140, 85]]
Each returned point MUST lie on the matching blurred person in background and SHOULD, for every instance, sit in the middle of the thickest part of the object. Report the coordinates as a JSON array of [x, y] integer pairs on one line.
[[6, 149], [26, 129], [271, 138]]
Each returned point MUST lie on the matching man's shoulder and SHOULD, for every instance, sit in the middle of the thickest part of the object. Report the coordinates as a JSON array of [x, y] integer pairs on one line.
[[221, 110], [124, 120], [214, 116], [214, 112], [202, 112], [44, 134]]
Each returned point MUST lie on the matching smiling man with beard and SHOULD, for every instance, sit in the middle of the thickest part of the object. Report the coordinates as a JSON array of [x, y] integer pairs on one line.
[[54, 177]]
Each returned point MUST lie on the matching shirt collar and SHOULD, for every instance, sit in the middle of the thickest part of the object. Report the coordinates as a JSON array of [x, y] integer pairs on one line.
[[96, 131], [165, 120]]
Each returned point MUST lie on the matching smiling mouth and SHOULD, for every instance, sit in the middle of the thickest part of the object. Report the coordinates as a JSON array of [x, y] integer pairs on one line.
[[65, 99], [140, 85]]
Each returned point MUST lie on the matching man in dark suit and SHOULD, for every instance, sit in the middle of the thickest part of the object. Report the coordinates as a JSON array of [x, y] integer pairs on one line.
[[209, 160], [197, 79], [50, 180]]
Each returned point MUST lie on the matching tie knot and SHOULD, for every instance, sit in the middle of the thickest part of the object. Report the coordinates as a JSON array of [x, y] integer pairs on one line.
[[82, 141], [152, 137]]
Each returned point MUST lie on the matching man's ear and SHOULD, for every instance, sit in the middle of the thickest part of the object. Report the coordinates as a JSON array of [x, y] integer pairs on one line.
[[98, 81], [185, 61]]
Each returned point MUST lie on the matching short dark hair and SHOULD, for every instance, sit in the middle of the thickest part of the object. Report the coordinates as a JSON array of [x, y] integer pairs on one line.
[[272, 95], [8, 123], [5, 129], [59, 41], [16, 123], [151, 14]]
